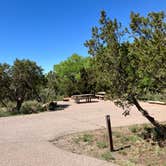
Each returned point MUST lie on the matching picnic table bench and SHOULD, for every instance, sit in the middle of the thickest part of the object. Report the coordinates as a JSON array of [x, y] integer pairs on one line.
[[100, 95]]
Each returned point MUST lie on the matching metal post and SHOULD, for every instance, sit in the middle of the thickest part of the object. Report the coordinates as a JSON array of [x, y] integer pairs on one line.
[[109, 132]]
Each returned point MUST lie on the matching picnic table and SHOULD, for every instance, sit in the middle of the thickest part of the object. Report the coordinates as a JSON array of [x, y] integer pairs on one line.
[[86, 97], [100, 95]]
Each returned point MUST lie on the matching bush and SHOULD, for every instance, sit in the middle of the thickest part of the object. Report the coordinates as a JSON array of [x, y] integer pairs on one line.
[[30, 107], [154, 96], [4, 112]]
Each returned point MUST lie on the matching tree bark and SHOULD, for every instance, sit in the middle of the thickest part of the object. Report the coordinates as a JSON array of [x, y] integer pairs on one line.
[[18, 105], [155, 123]]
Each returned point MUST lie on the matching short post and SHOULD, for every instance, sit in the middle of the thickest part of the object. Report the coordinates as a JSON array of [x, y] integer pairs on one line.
[[108, 122]]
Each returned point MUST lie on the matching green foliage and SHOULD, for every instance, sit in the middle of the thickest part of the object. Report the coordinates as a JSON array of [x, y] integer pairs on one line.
[[74, 76], [20, 82], [71, 66], [87, 138], [51, 91], [29, 107], [130, 70], [154, 96]]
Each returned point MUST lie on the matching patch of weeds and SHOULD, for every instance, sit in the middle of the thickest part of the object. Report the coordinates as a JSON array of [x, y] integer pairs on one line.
[[107, 156], [134, 129], [133, 138], [101, 145], [87, 138], [124, 139]]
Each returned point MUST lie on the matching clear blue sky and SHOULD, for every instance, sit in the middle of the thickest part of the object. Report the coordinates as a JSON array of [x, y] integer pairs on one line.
[[49, 31]]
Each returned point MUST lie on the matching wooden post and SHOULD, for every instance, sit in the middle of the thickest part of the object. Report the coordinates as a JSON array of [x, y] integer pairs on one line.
[[109, 132]]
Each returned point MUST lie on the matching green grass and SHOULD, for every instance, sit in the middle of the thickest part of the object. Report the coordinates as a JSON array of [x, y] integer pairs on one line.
[[101, 145], [87, 138]]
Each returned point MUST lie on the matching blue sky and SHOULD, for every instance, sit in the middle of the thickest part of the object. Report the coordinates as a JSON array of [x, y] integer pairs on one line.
[[49, 31]]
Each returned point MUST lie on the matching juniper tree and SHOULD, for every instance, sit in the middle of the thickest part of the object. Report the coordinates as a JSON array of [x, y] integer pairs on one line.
[[131, 69]]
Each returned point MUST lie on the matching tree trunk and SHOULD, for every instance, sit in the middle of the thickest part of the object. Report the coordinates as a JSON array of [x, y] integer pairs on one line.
[[156, 124], [18, 105]]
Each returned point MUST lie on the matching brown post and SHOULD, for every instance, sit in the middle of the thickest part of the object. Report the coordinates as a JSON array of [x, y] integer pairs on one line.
[[109, 132]]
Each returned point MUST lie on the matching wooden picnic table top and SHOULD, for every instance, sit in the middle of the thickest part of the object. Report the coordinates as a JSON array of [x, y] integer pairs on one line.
[[84, 95]]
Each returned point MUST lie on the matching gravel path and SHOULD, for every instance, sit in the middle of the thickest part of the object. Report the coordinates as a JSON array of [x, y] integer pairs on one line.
[[24, 140]]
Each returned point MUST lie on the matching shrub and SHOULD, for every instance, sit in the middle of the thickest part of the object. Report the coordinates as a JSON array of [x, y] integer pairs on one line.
[[10, 106], [29, 107]]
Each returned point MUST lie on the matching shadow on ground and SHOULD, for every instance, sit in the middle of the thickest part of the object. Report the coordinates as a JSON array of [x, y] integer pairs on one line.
[[60, 107], [122, 148]]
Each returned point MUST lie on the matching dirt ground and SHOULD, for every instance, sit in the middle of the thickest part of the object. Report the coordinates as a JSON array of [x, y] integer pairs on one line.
[[25, 138]]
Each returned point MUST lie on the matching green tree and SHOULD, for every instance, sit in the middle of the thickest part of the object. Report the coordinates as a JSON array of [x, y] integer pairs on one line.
[[69, 73], [20, 82], [131, 69], [87, 81], [51, 90], [5, 82]]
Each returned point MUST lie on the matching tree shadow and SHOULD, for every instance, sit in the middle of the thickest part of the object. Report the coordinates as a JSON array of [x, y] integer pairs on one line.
[[60, 107]]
